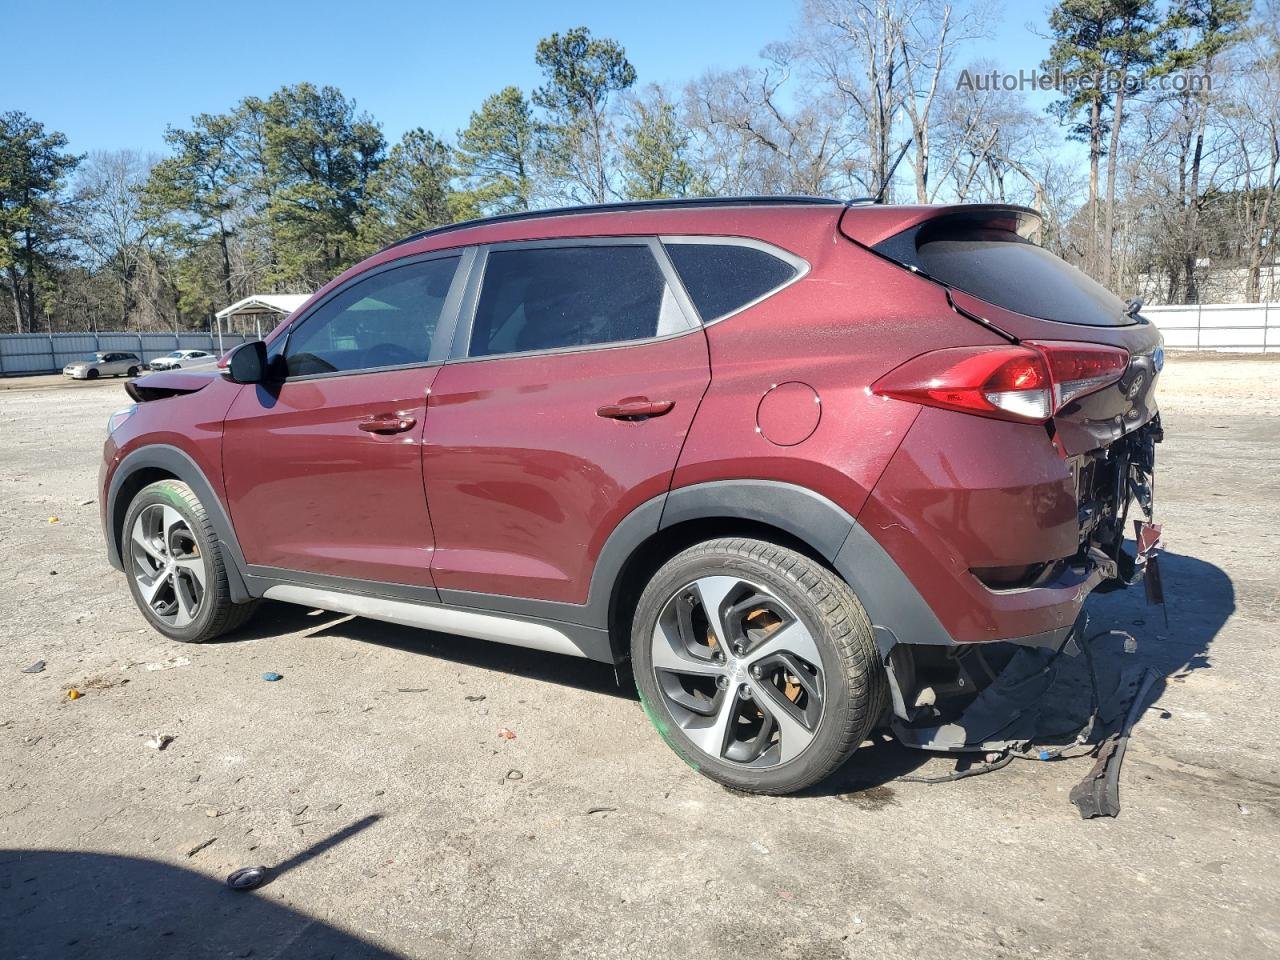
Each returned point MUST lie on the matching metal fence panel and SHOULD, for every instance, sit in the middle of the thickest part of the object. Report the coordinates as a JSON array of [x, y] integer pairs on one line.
[[1228, 327], [31, 353]]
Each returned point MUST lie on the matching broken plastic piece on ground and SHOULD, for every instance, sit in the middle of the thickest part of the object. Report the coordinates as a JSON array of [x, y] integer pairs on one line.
[[247, 878], [592, 810], [37, 667], [271, 676], [1098, 794], [159, 741], [506, 734], [74, 694], [53, 520]]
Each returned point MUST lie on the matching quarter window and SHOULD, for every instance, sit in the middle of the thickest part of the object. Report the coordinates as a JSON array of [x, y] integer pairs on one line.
[[548, 298], [386, 320], [723, 277]]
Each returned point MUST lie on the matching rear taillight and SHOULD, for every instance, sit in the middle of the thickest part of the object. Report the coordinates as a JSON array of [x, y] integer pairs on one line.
[[1027, 383], [1079, 369]]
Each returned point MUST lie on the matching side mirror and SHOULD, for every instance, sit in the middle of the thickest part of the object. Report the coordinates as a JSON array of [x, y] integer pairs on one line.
[[248, 363]]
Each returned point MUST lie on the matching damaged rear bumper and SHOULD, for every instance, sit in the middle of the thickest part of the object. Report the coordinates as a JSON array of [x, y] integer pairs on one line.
[[953, 696]]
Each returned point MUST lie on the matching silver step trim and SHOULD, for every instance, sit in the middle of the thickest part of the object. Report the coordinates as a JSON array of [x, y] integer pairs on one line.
[[467, 623]]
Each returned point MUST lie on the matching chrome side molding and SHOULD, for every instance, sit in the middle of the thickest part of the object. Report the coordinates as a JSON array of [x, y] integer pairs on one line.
[[467, 623]]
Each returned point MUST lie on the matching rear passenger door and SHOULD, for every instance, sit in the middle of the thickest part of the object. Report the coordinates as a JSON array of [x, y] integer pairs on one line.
[[574, 376]]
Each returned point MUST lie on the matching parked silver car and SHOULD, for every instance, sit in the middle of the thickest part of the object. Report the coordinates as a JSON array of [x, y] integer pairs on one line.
[[114, 363], [183, 360]]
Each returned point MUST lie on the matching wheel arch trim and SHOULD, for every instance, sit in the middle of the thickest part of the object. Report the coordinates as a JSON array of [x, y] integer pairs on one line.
[[897, 610], [178, 463]]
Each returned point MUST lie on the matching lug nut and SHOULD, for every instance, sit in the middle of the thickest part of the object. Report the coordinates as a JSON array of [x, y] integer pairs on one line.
[[757, 672], [722, 682], [739, 649], [744, 693]]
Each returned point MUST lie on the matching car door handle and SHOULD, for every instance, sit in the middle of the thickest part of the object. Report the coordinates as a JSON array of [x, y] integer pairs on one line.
[[638, 409], [388, 423]]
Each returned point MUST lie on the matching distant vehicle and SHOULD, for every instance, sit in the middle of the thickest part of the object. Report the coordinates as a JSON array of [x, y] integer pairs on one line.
[[111, 364], [183, 359]]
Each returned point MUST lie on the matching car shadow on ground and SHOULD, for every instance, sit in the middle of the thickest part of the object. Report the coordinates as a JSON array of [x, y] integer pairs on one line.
[[69, 904], [274, 619], [1199, 599]]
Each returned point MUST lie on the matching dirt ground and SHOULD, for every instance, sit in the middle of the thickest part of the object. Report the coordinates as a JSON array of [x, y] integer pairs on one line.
[[373, 778]]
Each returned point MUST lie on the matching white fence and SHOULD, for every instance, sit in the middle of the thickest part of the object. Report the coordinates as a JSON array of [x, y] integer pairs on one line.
[[28, 353], [1235, 327]]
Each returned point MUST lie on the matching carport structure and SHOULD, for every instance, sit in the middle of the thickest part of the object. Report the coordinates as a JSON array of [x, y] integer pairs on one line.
[[253, 310]]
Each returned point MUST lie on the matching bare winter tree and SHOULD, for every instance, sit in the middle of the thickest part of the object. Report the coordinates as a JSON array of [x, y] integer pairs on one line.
[[112, 230], [887, 62]]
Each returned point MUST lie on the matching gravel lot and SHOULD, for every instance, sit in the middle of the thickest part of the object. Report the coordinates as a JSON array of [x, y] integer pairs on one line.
[[374, 778]]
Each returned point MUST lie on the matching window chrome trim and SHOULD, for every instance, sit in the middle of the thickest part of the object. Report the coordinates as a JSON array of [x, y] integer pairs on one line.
[[440, 338], [460, 350], [800, 264]]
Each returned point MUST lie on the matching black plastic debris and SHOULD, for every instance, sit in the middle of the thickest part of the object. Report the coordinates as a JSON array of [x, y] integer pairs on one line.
[[1098, 794], [37, 667]]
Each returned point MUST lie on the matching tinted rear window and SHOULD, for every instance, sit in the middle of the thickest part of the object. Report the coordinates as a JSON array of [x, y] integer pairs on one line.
[[724, 277], [555, 297], [1003, 268]]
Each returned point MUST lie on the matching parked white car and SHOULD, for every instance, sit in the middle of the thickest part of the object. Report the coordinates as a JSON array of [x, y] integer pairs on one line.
[[184, 360], [112, 363]]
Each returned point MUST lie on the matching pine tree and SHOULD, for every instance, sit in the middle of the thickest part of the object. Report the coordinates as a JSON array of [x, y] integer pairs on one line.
[[576, 142], [410, 191], [495, 155], [33, 169]]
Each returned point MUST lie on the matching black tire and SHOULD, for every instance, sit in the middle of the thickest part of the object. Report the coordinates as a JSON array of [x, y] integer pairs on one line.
[[216, 614], [852, 681], [92, 375], [133, 372]]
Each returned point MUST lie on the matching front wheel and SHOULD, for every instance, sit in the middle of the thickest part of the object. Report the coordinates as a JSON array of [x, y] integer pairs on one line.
[[133, 372], [177, 575], [757, 665]]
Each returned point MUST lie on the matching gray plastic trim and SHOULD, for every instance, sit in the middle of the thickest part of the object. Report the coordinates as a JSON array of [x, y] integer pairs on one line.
[[466, 623], [176, 462], [809, 516]]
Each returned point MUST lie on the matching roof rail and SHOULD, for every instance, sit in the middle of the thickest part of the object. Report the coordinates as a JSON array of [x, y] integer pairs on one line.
[[673, 203]]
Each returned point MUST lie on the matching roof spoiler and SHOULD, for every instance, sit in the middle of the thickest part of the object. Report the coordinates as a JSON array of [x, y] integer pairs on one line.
[[877, 226]]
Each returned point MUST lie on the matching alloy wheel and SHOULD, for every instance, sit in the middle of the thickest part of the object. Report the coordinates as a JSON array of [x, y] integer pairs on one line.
[[740, 673], [167, 565]]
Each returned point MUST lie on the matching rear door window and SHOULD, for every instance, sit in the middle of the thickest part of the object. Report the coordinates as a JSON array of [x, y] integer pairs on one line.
[[552, 298], [1005, 269], [722, 278]]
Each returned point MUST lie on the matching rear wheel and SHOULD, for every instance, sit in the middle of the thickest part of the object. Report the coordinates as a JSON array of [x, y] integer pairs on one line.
[[176, 572], [133, 372], [756, 664]]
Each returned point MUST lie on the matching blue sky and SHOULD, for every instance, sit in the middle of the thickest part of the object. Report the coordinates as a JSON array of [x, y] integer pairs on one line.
[[113, 74]]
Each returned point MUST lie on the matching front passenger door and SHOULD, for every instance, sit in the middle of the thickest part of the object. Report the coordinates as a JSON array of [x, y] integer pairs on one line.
[[323, 469]]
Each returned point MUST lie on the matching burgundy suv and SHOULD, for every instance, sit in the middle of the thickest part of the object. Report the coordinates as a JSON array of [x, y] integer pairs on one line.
[[796, 459]]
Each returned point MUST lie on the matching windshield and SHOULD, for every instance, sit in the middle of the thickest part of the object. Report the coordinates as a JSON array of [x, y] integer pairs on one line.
[[90, 358]]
